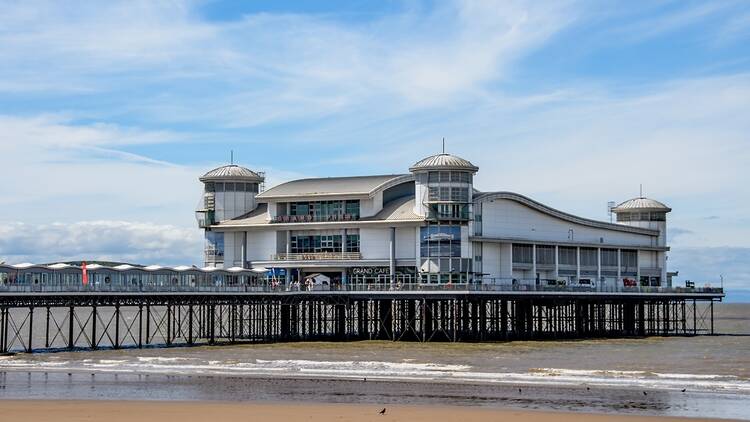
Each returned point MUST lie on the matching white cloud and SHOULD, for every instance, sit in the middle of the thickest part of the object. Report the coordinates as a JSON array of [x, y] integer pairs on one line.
[[119, 241], [267, 67]]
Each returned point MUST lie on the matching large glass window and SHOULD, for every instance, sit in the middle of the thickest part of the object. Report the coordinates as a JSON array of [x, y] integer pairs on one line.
[[589, 257], [568, 256], [629, 259], [438, 240], [545, 254], [609, 257], [522, 254], [214, 244], [325, 210], [449, 176], [323, 243], [352, 243], [447, 193]]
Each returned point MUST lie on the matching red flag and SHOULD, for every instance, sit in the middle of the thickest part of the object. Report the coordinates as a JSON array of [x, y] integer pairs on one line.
[[85, 273]]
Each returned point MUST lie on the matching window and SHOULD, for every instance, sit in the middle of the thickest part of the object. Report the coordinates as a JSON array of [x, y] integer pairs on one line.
[[629, 259], [568, 256], [214, 244], [522, 254], [438, 240], [460, 177], [609, 257], [352, 243], [322, 210], [219, 187], [459, 194], [589, 257], [545, 255]]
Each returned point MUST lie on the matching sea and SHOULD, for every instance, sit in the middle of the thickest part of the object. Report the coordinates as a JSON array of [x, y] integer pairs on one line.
[[704, 376]]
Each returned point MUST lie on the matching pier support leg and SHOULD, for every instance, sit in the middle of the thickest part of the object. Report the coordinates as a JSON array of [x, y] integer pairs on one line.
[[140, 326], [117, 326], [3, 329], [94, 343], [31, 328], [46, 330], [169, 325], [148, 324], [190, 324], [71, 318]]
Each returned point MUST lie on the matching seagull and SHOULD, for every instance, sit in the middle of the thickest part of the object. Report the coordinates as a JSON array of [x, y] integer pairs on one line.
[[382, 412]]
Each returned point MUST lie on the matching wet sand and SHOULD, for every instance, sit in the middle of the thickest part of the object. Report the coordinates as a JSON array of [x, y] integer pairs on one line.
[[149, 411]]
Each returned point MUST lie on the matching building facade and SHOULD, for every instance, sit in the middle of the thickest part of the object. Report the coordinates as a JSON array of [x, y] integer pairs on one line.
[[427, 226]]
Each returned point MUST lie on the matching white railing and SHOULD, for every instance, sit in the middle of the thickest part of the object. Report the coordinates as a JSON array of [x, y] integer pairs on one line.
[[316, 256]]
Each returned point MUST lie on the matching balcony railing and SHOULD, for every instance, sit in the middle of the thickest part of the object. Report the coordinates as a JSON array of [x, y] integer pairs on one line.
[[314, 218], [270, 286], [317, 256]]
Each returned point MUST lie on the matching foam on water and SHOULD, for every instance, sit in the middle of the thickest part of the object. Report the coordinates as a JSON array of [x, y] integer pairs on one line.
[[406, 370]]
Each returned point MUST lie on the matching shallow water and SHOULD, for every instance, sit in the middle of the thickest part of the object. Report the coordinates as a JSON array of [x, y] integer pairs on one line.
[[593, 375]]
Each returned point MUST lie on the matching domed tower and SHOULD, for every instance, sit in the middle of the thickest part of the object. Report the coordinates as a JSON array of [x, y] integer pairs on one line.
[[644, 213], [443, 187], [228, 192]]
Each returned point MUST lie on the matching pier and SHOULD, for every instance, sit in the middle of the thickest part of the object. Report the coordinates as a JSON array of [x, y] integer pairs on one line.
[[39, 321]]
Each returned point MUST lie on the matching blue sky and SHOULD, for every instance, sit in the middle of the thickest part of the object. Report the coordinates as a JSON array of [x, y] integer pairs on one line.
[[109, 112]]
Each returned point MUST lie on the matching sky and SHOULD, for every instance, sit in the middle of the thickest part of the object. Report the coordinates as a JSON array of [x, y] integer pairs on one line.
[[110, 111]]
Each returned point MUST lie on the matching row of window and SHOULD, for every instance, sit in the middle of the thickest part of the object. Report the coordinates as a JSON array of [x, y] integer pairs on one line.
[[642, 216], [449, 176], [449, 212], [324, 208], [231, 187], [324, 243], [567, 255], [448, 193]]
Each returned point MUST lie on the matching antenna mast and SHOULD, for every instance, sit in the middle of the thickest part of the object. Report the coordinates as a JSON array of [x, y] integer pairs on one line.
[[231, 156], [443, 144]]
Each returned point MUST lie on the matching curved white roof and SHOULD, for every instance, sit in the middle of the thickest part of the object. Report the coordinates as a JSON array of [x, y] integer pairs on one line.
[[641, 204], [487, 196], [332, 186], [231, 172], [444, 162]]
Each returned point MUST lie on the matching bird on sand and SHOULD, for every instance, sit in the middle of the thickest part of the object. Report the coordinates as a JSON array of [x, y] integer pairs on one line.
[[683, 390], [588, 388], [382, 412], [364, 379], [645, 393], [519, 390]]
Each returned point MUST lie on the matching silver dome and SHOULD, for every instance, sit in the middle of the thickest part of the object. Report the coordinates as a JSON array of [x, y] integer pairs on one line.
[[231, 172], [444, 162], [641, 204]]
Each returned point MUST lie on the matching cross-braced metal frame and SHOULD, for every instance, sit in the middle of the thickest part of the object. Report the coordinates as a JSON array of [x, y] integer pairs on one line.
[[33, 322]]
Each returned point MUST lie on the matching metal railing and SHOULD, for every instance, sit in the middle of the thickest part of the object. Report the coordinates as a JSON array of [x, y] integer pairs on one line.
[[277, 286], [307, 218], [314, 256]]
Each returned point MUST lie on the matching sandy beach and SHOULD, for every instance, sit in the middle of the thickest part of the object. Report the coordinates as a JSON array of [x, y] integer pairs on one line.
[[152, 411]]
